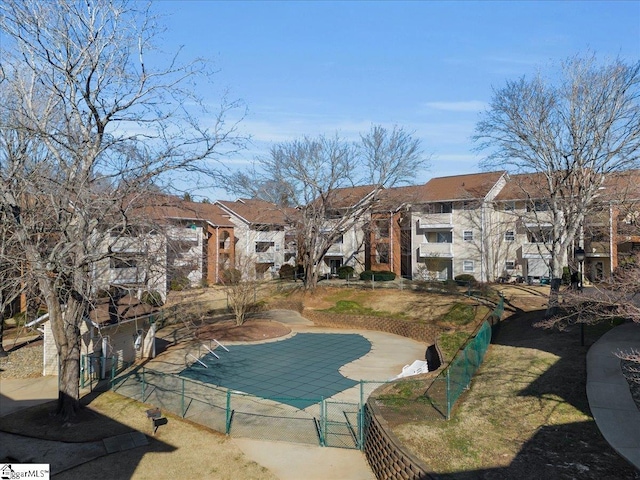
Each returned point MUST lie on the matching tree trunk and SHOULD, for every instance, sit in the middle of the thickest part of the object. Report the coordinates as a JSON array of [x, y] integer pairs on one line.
[[69, 359], [554, 291], [3, 352], [65, 327]]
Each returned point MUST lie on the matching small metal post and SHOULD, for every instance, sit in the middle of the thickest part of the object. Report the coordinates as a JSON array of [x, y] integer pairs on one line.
[[448, 395], [82, 370], [182, 400], [361, 418], [228, 422]]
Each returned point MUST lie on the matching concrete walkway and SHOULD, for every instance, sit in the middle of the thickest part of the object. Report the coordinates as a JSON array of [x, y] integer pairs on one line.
[[610, 401]]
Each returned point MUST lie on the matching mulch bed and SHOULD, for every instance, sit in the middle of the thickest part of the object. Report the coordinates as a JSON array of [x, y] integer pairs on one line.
[[252, 330]]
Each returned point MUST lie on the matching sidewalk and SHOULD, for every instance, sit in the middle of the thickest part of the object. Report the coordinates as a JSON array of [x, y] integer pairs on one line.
[[610, 401]]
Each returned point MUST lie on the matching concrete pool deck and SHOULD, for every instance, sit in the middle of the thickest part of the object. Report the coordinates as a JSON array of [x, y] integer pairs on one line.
[[388, 354], [292, 461]]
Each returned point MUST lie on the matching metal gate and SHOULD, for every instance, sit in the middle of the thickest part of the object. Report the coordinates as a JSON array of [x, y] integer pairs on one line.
[[340, 425]]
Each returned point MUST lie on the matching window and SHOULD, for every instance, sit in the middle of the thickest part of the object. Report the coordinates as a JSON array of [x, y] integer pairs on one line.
[[509, 236], [540, 236], [509, 265], [123, 263], [382, 252], [467, 235], [509, 206], [468, 266], [445, 207], [444, 237], [382, 228], [538, 206], [262, 247]]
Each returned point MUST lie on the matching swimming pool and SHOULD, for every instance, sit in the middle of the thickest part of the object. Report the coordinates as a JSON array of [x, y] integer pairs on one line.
[[298, 371]]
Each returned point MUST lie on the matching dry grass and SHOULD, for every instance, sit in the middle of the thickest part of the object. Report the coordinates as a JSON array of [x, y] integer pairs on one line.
[[525, 416], [178, 450]]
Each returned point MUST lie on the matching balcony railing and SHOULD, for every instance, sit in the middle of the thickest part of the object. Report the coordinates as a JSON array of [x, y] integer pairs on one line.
[[436, 250], [128, 245], [126, 275], [265, 257], [597, 249], [435, 220], [335, 249], [531, 250]]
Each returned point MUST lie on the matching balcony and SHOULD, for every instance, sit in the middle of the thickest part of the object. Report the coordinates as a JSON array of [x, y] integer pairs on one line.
[[128, 245], [433, 249], [435, 220], [265, 257], [535, 250], [335, 249], [598, 249], [128, 276]]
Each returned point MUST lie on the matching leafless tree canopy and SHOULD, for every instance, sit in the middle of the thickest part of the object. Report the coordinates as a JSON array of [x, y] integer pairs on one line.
[[316, 176], [90, 122], [574, 130]]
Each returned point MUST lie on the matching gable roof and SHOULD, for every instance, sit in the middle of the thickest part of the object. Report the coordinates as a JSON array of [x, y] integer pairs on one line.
[[350, 196], [392, 199], [622, 186], [524, 186], [460, 187], [109, 311], [617, 187], [255, 211], [169, 207]]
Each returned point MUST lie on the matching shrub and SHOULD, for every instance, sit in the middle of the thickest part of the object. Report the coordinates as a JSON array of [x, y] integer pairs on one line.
[[287, 271], [381, 276], [152, 298], [230, 276], [566, 276], [345, 271], [465, 279], [179, 283]]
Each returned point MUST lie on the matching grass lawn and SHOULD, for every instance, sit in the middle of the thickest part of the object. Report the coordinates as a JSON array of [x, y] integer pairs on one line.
[[525, 416]]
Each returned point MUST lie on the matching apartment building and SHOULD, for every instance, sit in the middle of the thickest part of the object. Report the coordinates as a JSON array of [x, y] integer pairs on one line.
[[389, 231], [611, 232], [262, 235], [522, 229], [171, 243], [449, 233], [344, 214]]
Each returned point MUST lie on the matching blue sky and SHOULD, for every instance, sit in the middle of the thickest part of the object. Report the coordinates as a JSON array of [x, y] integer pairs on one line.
[[309, 68]]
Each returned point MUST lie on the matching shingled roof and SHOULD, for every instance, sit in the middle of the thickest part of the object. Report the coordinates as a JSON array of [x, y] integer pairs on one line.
[[460, 187], [255, 211], [524, 186], [169, 207]]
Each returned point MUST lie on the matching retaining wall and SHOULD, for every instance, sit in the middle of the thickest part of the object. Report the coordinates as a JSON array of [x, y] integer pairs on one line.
[[386, 455], [420, 332]]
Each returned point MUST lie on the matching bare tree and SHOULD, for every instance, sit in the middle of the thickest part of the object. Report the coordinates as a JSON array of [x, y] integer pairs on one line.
[[573, 132], [90, 123], [333, 184], [240, 284]]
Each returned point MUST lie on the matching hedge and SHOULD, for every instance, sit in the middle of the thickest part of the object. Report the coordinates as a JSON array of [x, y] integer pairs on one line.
[[378, 276]]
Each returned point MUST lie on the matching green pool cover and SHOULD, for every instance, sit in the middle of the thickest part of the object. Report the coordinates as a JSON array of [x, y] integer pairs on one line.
[[298, 371]]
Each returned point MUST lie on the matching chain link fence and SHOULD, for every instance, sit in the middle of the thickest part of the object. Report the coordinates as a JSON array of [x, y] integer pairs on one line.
[[322, 422], [315, 421]]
